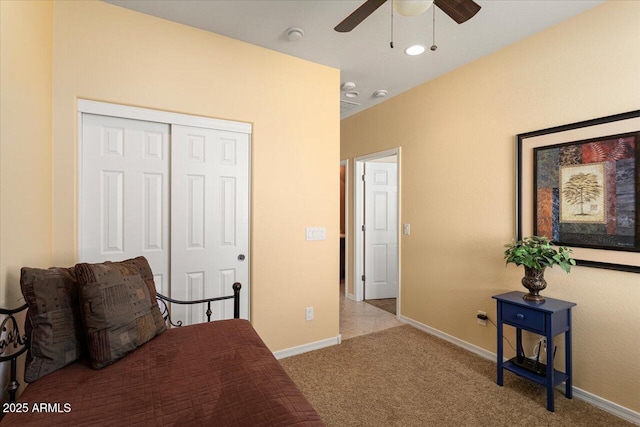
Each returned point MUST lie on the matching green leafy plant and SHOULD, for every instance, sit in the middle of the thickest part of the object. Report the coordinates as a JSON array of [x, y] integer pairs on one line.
[[537, 252]]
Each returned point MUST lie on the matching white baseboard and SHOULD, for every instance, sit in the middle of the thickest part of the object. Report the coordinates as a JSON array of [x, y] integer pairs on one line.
[[597, 401], [604, 404], [317, 345], [486, 354], [352, 297]]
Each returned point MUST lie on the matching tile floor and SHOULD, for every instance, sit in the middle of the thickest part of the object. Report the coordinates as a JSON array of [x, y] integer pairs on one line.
[[387, 304], [360, 318]]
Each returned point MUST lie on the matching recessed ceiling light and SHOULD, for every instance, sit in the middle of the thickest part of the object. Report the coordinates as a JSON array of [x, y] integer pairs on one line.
[[380, 93], [348, 85], [295, 34], [414, 50], [351, 94]]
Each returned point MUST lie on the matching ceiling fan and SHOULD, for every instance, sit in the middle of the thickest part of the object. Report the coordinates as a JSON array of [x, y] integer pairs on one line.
[[459, 10]]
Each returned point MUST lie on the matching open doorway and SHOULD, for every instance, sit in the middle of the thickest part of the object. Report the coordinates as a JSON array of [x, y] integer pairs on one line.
[[356, 317], [376, 229]]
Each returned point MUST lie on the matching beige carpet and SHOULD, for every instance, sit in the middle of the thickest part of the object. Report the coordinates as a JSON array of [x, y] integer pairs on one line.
[[405, 377]]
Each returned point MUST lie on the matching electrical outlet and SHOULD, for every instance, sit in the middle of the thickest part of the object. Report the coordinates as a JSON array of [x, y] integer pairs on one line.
[[482, 322], [308, 313]]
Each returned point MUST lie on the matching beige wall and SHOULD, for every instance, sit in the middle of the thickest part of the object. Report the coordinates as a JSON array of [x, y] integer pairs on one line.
[[108, 53], [111, 54], [25, 142], [25, 148], [457, 135]]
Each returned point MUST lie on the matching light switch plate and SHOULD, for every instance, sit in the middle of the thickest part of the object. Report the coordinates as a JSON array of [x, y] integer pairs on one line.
[[316, 233]]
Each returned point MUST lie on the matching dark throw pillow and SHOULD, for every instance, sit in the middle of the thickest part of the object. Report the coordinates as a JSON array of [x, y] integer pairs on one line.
[[54, 322], [119, 308]]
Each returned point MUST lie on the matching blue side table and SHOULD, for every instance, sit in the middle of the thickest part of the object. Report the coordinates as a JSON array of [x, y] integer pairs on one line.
[[548, 319]]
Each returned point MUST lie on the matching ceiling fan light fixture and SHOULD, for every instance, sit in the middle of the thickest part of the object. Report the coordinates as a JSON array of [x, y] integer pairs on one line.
[[416, 49], [411, 7]]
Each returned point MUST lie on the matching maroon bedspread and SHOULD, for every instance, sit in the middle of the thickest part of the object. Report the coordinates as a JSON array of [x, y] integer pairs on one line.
[[211, 374]]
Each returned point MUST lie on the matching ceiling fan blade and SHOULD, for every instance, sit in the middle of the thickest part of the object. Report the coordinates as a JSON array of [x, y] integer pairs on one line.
[[459, 10], [359, 15]]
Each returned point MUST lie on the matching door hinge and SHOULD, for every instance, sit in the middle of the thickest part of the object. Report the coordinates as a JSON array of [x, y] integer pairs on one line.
[[363, 278], [364, 227], [364, 177]]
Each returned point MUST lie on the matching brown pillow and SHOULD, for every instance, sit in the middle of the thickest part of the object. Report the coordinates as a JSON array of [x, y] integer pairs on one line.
[[54, 324], [119, 308]]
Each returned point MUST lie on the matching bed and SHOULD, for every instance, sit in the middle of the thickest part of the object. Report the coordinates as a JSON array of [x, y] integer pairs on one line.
[[217, 373]]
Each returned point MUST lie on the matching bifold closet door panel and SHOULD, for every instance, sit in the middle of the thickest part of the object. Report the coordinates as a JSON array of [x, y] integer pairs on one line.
[[124, 192], [209, 219]]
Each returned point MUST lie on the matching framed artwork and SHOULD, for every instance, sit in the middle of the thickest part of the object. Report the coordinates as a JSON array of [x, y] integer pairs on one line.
[[579, 185]]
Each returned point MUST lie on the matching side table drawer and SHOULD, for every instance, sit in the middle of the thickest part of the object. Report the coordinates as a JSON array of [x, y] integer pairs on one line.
[[523, 317]]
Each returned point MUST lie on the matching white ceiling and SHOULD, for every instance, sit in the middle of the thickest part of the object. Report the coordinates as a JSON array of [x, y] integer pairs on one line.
[[363, 55]]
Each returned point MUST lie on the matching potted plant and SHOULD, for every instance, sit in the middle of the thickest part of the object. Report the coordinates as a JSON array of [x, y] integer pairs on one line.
[[537, 253]]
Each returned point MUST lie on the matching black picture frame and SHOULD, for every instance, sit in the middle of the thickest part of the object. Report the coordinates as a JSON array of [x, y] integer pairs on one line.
[[591, 255]]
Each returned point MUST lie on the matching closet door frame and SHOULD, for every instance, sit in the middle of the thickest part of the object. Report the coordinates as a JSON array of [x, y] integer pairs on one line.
[[86, 106]]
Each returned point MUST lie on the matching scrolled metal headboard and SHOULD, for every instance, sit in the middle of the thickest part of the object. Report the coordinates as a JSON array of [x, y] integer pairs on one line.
[[166, 314], [10, 336]]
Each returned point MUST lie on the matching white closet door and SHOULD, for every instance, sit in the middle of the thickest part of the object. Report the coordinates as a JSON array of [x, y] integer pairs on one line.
[[209, 220], [124, 193]]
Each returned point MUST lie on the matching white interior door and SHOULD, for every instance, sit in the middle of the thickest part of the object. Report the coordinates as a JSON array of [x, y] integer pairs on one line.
[[209, 219], [381, 230], [124, 193]]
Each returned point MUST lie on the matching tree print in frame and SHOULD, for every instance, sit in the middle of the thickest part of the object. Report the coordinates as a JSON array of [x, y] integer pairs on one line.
[[579, 185], [590, 187]]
